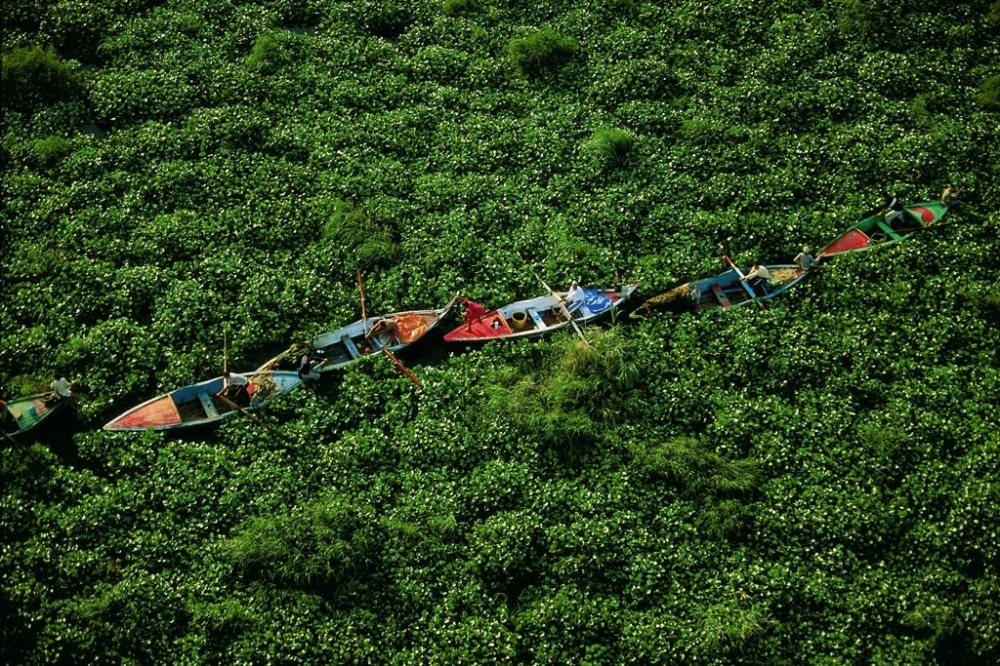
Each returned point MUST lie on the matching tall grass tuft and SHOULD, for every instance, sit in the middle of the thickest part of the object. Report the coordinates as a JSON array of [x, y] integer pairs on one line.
[[989, 93], [326, 544], [36, 77], [541, 51], [609, 145], [368, 241], [456, 7]]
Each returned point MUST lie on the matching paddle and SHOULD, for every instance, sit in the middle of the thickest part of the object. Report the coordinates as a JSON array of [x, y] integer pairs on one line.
[[252, 417], [221, 395], [562, 307], [402, 368], [361, 292], [743, 281], [8, 436]]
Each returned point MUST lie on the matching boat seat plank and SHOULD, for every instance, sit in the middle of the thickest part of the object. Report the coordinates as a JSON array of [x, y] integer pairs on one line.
[[886, 229], [537, 318], [351, 348], [208, 405], [721, 296]]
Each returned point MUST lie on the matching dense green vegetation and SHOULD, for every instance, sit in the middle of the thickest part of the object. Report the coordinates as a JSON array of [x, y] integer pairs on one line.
[[815, 483]]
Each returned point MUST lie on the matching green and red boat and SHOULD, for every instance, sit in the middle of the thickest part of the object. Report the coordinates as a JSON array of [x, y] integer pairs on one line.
[[888, 229]]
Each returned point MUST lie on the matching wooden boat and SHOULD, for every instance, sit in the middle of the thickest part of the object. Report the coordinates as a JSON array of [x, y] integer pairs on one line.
[[29, 411], [725, 290], [199, 404], [538, 316], [347, 344], [888, 229]]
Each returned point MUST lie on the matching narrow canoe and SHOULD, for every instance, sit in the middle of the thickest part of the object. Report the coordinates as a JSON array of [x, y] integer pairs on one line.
[[725, 290], [199, 404], [877, 230], [347, 344], [29, 411], [538, 316]]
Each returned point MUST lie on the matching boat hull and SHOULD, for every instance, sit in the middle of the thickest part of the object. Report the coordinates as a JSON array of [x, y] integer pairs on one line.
[[199, 405], [30, 411], [725, 290], [538, 316], [875, 230], [347, 344]]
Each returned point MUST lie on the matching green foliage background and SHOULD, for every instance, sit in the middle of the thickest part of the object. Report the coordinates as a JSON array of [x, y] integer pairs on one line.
[[815, 483]]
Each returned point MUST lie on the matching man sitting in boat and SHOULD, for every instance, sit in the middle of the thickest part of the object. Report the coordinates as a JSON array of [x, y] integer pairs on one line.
[[893, 210], [574, 297], [950, 195], [236, 388], [61, 386], [758, 275], [307, 363], [385, 332], [804, 260]]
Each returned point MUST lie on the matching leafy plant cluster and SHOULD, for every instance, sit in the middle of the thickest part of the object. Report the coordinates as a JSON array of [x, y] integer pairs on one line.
[[811, 483]]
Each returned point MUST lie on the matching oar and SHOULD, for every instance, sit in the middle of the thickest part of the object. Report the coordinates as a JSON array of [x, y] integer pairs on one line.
[[23, 447], [743, 281], [562, 306], [252, 417], [361, 292], [12, 440], [402, 368]]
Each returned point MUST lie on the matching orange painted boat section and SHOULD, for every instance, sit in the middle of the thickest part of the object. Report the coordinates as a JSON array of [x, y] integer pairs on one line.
[[159, 412]]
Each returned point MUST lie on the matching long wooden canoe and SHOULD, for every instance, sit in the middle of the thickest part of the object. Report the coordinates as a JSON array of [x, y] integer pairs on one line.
[[875, 230], [199, 404], [725, 290], [30, 411], [538, 316]]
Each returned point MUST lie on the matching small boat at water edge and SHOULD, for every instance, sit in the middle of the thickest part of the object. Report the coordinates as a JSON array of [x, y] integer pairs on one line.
[[888, 229], [725, 290], [537, 316], [200, 404]]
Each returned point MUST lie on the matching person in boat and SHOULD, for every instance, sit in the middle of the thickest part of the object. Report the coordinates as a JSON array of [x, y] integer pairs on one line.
[[307, 363], [804, 259], [236, 388], [61, 386], [758, 276], [574, 297], [386, 331], [758, 272], [892, 210], [950, 195], [618, 283], [473, 310]]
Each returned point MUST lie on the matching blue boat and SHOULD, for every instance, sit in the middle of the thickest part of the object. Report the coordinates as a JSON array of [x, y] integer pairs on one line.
[[201, 404]]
